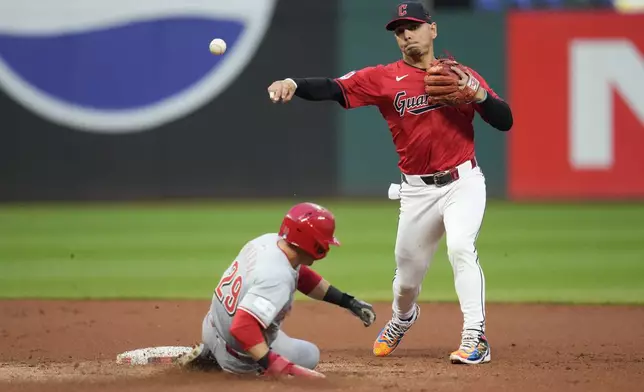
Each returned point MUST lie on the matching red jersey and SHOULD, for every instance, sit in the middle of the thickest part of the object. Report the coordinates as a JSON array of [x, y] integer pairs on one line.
[[428, 138]]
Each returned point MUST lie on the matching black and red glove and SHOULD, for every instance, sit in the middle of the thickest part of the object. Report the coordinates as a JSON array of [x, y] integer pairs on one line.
[[276, 365]]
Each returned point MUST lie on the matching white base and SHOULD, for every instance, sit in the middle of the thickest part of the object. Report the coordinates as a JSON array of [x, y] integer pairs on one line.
[[163, 355]]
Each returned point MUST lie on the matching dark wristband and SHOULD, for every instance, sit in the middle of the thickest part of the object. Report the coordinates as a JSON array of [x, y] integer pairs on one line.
[[337, 297], [264, 362]]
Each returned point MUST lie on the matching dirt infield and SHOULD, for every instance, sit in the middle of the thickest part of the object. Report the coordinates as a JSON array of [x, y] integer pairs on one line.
[[70, 345]]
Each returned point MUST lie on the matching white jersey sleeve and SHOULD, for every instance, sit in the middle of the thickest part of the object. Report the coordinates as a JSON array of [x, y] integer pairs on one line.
[[270, 293]]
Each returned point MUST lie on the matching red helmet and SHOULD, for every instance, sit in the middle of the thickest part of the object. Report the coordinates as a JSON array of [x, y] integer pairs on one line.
[[311, 228]]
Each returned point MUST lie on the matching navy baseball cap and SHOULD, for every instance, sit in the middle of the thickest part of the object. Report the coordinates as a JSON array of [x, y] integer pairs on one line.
[[408, 11]]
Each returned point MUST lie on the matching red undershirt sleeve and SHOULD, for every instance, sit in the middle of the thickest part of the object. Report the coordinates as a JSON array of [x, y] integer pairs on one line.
[[307, 279], [246, 329]]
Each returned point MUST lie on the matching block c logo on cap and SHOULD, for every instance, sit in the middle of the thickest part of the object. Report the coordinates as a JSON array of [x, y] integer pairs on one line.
[[402, 10]]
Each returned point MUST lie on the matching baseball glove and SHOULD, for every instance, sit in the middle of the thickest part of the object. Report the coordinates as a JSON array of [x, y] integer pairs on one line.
[[445, 86]]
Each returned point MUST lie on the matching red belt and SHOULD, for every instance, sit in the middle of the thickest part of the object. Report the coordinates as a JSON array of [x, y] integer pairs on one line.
[[229, 349], [232, 352], [235, 353]]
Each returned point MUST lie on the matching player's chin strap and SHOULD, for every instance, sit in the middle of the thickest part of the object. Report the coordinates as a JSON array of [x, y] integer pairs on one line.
[[360, 309]]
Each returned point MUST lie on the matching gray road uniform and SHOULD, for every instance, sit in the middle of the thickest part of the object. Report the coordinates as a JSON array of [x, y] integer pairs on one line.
[[260, 281]]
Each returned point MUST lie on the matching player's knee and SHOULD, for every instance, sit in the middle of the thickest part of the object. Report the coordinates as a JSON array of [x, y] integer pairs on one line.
[[407, 280], [403, 288], [311, 358], [411, 266], [459, 249], [408, 260]]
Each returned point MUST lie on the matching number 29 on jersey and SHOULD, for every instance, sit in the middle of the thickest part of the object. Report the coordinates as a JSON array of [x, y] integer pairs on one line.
[[231, 282]]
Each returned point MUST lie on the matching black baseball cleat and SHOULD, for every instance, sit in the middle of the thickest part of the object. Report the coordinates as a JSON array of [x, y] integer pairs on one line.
[[199, 358]]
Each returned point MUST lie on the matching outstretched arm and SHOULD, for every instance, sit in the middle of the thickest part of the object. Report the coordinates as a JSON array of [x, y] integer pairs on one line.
[[310, 89], [355, 89], [318, 89], [314, 286]]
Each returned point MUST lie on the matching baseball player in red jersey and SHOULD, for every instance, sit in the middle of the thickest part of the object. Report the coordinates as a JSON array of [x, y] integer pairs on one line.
[[443, 189]]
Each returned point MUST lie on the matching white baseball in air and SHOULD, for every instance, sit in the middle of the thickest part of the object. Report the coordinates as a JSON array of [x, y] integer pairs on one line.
[[217, 46]]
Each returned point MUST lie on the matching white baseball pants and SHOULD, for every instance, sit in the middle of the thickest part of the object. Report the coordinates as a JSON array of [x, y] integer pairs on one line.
[[427, 212]]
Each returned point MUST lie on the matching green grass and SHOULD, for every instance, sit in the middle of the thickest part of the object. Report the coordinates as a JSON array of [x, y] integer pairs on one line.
[[585, 253]]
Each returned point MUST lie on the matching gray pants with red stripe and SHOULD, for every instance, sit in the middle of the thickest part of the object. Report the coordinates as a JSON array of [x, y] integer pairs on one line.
[[300, 352]]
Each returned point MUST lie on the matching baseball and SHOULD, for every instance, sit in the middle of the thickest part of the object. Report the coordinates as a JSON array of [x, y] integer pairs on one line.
[[217, 46]]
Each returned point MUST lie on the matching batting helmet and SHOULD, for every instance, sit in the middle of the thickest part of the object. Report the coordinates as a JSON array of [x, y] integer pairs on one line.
[[311, 228]]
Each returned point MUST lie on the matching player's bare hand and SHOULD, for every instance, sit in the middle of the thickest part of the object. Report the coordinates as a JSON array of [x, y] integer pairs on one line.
[[464, 77], [363, 311], [467, 80], [281, 91], [299, 371]]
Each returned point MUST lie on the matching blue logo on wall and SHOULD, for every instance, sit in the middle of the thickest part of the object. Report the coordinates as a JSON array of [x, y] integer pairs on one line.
[[123, 66]]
